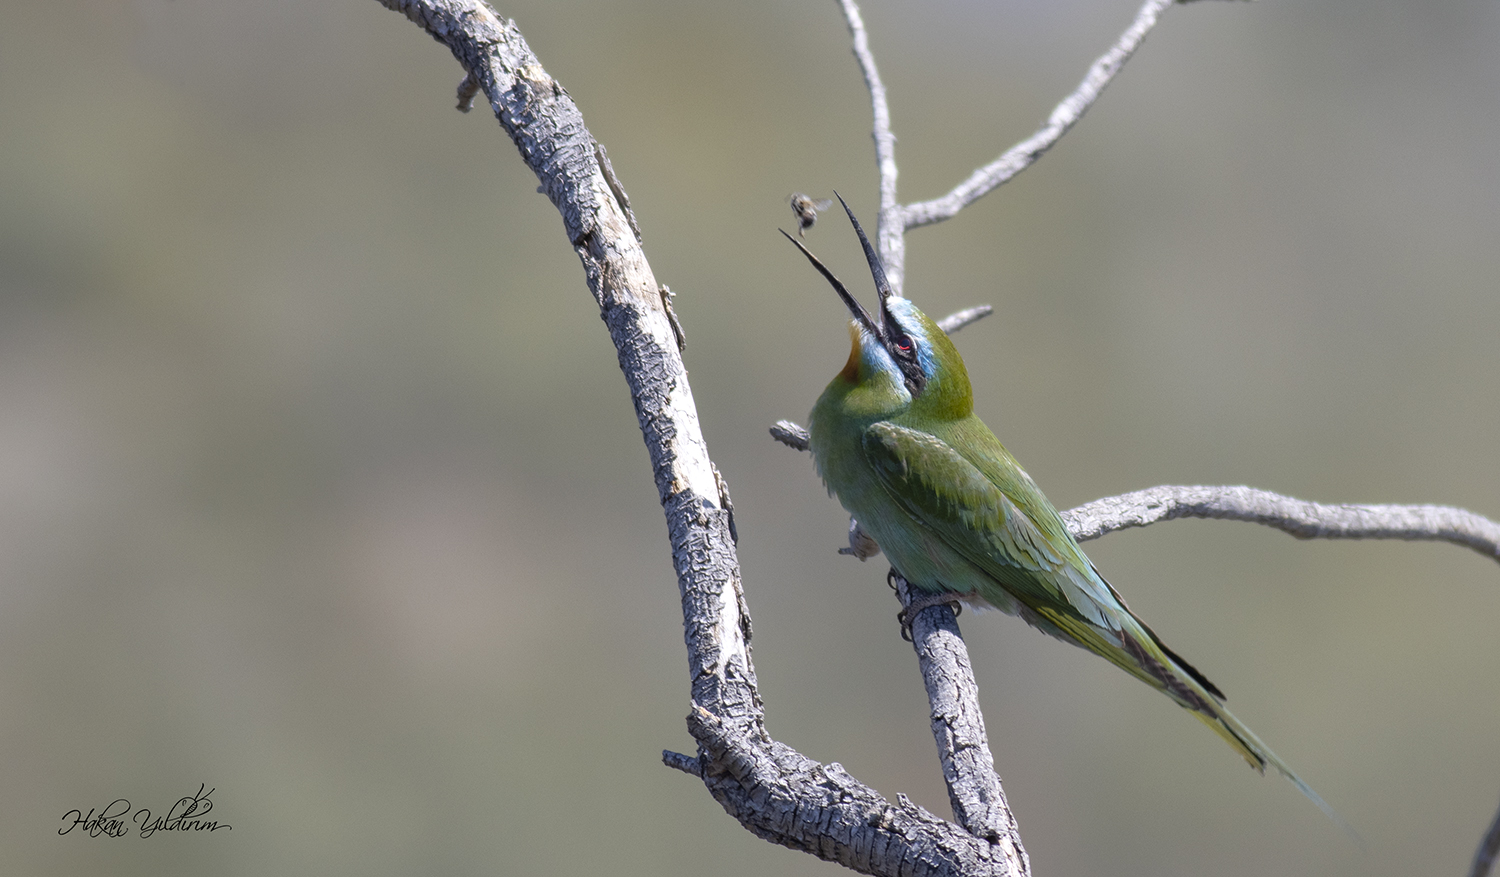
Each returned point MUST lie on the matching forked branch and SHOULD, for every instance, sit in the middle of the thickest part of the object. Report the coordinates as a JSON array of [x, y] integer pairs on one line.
[[1300, 518], [771, 789], [1064, 116], [896, 219]]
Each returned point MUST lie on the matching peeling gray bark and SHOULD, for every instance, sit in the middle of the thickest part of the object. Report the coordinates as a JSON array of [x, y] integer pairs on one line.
[[789, 799]]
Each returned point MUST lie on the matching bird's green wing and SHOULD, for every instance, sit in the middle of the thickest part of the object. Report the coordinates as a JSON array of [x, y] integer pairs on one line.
[[1033, 559], [983, 523], [1029, 556]]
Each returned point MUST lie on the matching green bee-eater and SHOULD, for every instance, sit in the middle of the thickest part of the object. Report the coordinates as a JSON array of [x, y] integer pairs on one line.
[[896, 438]]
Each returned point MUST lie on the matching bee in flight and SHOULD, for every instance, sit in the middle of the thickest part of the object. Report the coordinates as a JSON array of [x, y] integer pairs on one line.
[[807, 210]]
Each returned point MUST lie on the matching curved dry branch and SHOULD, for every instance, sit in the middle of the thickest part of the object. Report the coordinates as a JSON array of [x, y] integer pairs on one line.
[[775, 792], [1064, 116], [1300, 518], [772, 790]]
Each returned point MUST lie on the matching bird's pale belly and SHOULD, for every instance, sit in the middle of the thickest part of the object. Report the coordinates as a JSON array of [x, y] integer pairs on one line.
[[921, 555]]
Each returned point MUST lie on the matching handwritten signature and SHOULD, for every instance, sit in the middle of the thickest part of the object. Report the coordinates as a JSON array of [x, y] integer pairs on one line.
[[185, 815]]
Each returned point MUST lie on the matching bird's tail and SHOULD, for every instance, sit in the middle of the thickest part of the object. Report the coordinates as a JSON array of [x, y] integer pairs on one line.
[[1244, 741], [1184, 684], [1143, 655]]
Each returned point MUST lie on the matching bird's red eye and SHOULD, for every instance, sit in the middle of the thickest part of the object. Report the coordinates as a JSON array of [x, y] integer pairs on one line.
[[903, 345]]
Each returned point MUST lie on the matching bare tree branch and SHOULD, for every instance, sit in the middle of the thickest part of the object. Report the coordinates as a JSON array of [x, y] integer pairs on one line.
[[1489, 848], [798, 803], [1300, 518], [772, 790], [974, 790], [790, 434], [890, 228], [1021, 156], [685, 763]]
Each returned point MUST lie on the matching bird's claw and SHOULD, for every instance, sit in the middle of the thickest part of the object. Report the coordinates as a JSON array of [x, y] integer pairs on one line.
[[927, 600]]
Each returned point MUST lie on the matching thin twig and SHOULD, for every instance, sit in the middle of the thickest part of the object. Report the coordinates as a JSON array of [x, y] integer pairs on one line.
[[467, 89], [791, 435], [890, 227], [953, 322], [1020, 156], [1489, 848], [685, 763]]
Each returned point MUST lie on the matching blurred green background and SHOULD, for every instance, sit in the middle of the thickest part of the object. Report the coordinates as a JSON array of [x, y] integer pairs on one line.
[[321, 485]]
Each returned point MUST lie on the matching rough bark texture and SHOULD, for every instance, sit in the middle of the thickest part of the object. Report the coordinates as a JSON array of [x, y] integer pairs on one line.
[[791, 800], [974, 789], [548, 129]]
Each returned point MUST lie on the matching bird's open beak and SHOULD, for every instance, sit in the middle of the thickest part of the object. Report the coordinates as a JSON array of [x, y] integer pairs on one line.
[[877, 270], [858, 310]]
